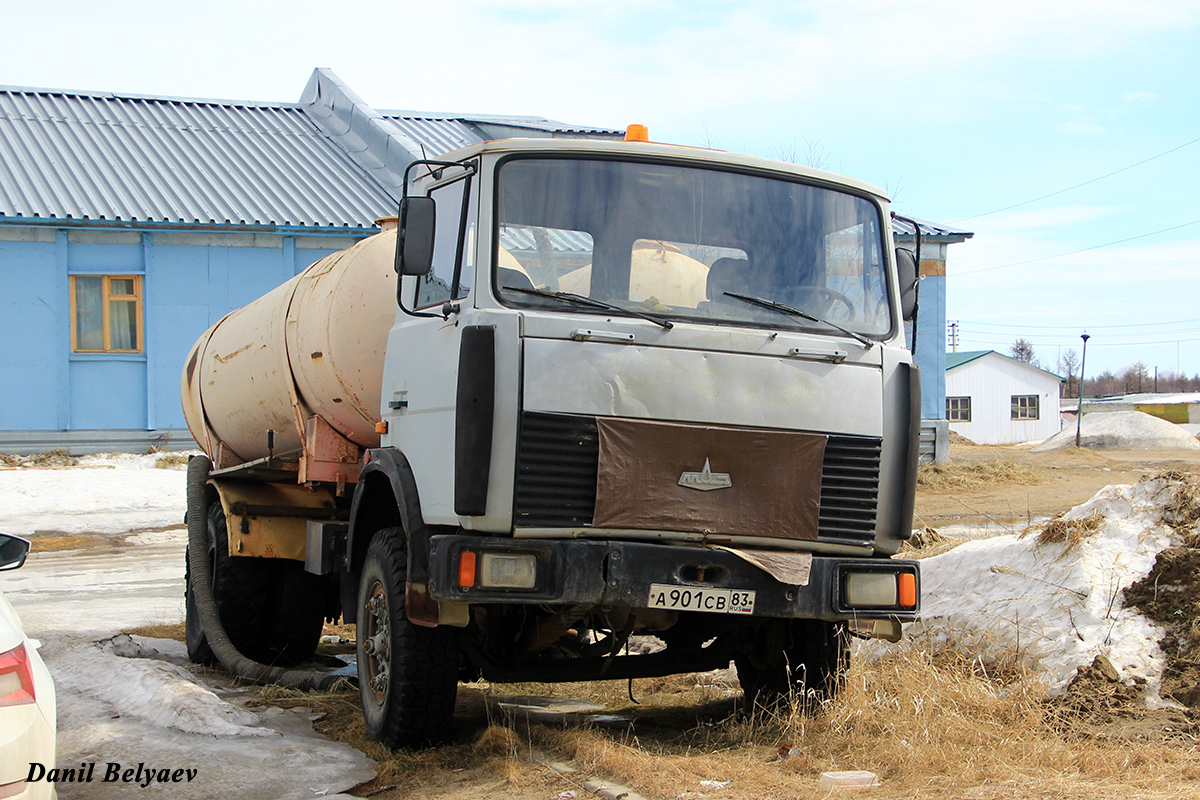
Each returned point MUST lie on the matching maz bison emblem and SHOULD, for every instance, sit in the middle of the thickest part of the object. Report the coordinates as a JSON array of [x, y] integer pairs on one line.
[[705, 480]]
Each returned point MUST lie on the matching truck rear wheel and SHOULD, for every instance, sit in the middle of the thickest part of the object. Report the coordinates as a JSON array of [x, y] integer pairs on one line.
[[297, 613], [241, 587], [796, 659], [407, 674]]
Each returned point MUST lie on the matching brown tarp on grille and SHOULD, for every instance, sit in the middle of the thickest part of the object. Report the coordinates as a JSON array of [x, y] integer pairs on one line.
[[767, 483]]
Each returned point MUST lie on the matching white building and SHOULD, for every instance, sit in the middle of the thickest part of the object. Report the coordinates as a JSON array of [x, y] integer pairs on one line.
[[994, 399]]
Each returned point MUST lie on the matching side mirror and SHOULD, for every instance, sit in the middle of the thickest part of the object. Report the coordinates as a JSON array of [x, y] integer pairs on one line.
[[414, 238], [13, 550], [906, 266]]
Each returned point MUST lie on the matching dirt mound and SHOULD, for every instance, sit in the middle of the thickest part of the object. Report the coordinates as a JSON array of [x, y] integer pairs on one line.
[[1170, 593], [1125, 430], [1097, 694]]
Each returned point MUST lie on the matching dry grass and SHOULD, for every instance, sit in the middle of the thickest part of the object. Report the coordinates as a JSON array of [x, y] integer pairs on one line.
[[1182, 511], [930, 722], [53, 458], [174, 631], [998, 472], [1067, 531], [927, 725], [45, 543], [171, 461]]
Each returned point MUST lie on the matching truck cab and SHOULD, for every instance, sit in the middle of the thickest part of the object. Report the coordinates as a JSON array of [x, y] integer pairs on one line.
[[644, 389]]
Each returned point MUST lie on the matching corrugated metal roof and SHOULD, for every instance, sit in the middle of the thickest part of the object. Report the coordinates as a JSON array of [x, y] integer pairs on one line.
[[106, 157], [436, 136], [954, 360], [902, 228], [958, 359], [532, 123], [522, 240]]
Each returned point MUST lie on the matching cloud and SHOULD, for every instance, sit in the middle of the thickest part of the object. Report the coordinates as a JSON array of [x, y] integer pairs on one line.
[[1080, 128]]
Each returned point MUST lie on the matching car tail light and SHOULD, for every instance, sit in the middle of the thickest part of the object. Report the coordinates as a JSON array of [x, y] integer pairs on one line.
[[16, 678]]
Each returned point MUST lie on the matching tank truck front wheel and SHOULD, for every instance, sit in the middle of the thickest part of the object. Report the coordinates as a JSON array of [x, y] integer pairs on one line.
[[407, 674], [797, 659]]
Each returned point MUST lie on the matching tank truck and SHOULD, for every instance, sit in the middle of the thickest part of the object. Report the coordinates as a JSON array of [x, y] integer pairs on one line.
[[581, 392]]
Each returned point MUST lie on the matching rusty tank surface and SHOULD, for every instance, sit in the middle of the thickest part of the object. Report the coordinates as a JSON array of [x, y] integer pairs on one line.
[[303, 362]]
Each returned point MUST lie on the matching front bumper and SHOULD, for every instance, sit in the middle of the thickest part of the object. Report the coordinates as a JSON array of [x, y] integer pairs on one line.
[[618, 574]]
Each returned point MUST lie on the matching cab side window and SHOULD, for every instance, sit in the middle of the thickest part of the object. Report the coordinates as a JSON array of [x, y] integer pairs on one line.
[[446, 280]]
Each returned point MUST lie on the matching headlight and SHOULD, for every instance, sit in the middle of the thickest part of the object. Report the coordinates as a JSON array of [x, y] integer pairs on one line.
[[865, 589], [507, 570]]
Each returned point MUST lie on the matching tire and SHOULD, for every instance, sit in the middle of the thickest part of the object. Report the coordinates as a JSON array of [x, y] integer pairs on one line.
[[407, 674], [801, 658], [297, 614], [241, 589], [197, 646]]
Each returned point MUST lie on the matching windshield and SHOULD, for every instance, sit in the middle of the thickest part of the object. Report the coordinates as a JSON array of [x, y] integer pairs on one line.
[[680, 242]]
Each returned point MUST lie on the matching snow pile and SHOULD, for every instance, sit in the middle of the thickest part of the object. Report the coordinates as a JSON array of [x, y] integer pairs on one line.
[[104, 494], [1059, 604], [1129, 430], [128, 678], [105, 716]]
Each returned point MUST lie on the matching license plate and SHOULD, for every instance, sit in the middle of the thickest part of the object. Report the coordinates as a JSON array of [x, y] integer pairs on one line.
[[692, 598]]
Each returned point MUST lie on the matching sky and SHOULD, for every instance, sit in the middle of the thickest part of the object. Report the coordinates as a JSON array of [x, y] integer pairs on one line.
[[1064, 134]]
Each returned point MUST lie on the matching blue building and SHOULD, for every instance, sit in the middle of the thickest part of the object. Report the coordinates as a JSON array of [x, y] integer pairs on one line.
[[130, 224], [929, 347]]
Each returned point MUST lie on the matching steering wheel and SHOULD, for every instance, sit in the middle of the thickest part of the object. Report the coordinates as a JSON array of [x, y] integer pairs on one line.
[[826, 300]]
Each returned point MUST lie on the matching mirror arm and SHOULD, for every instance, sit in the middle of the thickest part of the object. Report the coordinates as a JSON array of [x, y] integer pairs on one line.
[[471, 168], [916, 287]]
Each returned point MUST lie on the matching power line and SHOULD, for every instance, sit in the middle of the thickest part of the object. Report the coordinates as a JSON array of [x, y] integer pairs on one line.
[[1073, 252], [1078, 185], [1075, 327], [1064, 343], [1123, 335]]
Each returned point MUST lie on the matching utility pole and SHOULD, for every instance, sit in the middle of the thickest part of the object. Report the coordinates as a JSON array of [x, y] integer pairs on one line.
[[1079, 415], [1156, 380]]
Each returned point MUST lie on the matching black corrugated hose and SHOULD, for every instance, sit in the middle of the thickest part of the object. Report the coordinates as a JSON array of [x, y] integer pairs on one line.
[[206, 605]]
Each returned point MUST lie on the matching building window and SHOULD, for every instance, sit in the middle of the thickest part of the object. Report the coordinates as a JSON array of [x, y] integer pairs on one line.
[[958, 409], [106, 313], [1024, 406]]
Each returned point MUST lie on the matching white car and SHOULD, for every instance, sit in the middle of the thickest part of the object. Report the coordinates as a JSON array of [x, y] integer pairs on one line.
[[27, 703]]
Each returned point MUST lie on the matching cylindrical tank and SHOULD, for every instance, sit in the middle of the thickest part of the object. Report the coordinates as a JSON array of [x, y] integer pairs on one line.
[[320, 338]]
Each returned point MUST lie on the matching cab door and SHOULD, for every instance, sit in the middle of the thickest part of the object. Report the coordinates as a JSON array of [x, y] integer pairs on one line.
[[421, 364]]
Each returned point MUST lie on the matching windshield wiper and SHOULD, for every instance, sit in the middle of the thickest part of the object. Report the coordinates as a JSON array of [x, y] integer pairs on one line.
[[786, 309], [578, 299]]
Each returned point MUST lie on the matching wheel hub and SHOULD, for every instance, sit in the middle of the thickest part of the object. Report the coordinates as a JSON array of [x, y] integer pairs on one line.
[[377, 642]]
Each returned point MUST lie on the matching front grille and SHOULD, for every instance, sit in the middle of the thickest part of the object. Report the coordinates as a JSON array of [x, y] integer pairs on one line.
[[849, 489], [557, 459]]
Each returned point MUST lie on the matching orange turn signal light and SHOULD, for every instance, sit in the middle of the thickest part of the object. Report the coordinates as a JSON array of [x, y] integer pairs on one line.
[[381, 427], [466, 569], [637, 133], [906, 583]]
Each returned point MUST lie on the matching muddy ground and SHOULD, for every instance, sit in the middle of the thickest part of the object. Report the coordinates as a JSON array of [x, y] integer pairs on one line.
[[1069, 477]]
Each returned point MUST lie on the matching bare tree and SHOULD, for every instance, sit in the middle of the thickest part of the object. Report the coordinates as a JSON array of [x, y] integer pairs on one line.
[[1022, 350], [811, 154], [1135, 376], [1068, 365]]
